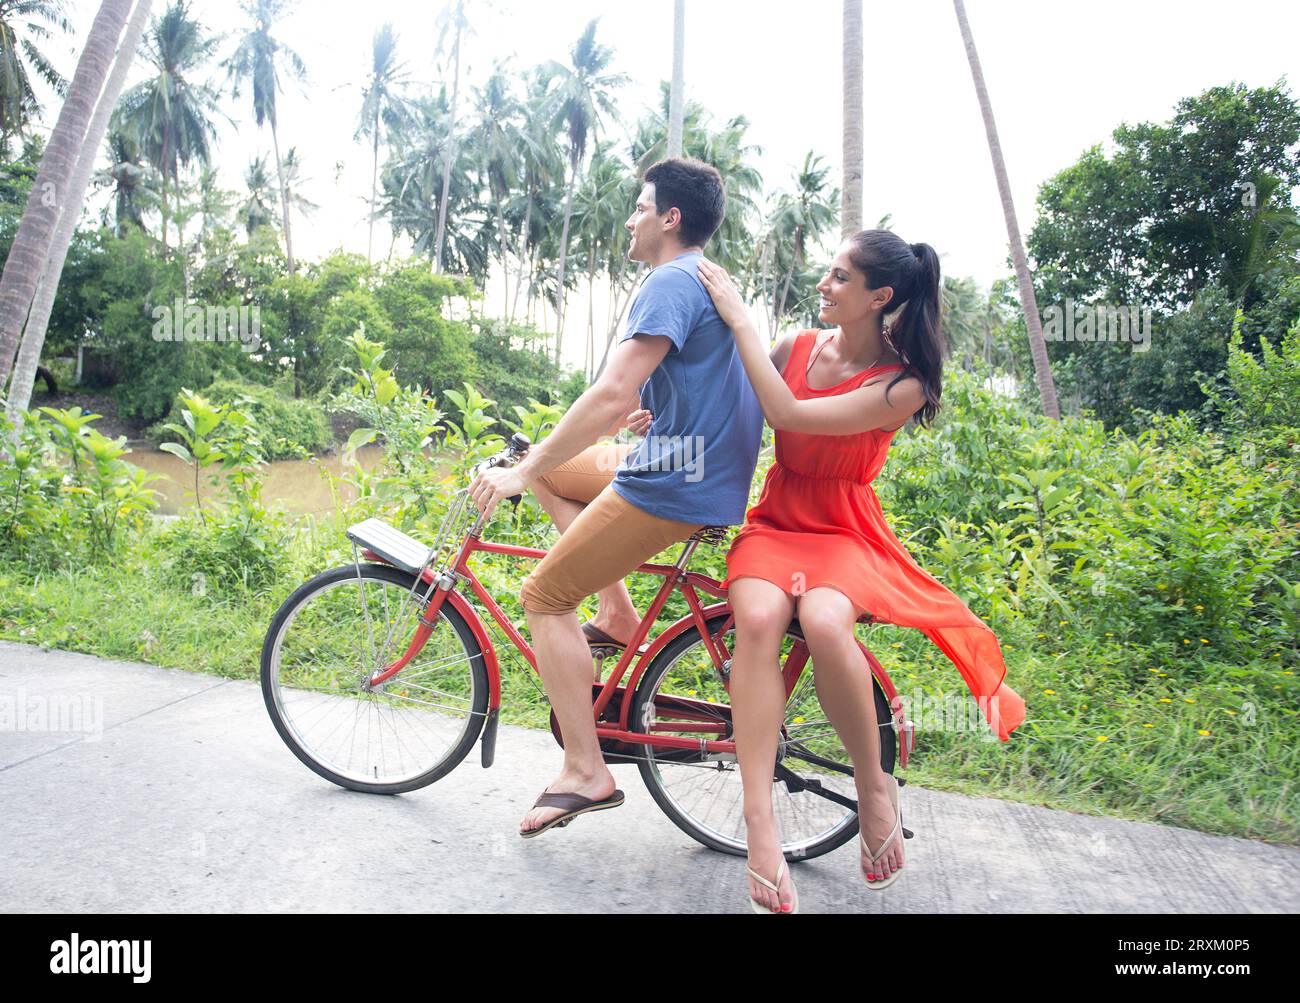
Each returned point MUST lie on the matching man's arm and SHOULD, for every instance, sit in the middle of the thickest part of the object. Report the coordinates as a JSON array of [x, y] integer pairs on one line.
[[610, 398], [626, 410]]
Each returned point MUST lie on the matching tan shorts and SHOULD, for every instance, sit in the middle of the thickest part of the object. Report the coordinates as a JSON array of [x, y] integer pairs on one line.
[[608, 540]]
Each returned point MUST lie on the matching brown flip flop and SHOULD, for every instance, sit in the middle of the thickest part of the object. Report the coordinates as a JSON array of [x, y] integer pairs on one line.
[[574, 805], [596, 636]]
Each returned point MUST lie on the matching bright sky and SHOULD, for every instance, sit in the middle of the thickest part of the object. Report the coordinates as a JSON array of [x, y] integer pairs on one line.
[[1061, 77]]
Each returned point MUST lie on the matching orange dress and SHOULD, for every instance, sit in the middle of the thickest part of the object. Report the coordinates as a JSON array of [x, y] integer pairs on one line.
[[818, 522]]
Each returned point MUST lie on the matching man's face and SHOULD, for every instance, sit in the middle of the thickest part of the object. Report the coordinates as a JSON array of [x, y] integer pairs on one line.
[[645, 225]]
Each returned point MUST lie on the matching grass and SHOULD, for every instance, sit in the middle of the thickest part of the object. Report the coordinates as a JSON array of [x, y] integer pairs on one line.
[[1169, 737]]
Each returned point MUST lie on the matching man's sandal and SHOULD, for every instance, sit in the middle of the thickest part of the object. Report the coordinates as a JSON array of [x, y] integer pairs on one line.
[[574, 805], [894, 833], [598, 638], [776, 889]]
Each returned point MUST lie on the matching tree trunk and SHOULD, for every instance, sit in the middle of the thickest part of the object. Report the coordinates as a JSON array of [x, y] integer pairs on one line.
[[505, 263], [564, 247], [1028, 302], [451, 146], [589, 353], [284, 199], [29, 355], [374, 180], [676, 103], [851, 195], [523, 250], [613, 328], [789, 275], [31, 245]]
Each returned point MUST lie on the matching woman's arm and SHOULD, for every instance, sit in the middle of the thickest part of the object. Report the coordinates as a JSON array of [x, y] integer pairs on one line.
[[859, 410]]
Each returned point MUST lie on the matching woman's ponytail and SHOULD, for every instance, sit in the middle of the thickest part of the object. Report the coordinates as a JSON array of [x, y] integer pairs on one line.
[[912, 271]]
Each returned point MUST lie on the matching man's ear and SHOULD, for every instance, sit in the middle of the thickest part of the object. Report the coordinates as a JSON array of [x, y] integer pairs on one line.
[[672, 219]]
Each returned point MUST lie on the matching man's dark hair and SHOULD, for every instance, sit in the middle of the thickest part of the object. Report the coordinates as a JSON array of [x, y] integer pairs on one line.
[[695, 188]]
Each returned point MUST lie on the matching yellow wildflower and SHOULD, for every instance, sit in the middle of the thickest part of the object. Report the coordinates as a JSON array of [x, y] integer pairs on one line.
[[1202, 731], [1102, 738]]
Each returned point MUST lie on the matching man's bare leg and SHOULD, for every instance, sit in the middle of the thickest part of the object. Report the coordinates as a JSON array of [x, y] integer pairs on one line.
[[564, 663], [615, 614]]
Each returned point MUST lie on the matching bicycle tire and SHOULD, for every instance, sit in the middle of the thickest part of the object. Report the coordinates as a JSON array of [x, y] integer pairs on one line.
[[451, 630], [709, 835]]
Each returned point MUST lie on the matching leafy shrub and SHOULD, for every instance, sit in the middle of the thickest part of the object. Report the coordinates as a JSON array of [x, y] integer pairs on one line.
[[284, 424]]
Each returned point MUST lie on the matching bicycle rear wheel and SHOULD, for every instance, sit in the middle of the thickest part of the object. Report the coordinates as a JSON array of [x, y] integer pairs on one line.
[[813, 794], [323, 646]]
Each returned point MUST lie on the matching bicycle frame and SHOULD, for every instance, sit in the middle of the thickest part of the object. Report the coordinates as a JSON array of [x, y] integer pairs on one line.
[[676, 579]]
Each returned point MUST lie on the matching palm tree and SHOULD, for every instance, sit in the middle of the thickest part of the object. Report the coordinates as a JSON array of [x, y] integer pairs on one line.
[[24, 25], [412, 181], [541, 167], [292, 179], [259, 58], [31, 245], [677, 93], [381, 101], [258, 207], [851, 199], [600, 207], [582, 92], [451, 20], [170, 114], [133, 183], [498, 143], [801, 217], [29, 353], [1028, 302]]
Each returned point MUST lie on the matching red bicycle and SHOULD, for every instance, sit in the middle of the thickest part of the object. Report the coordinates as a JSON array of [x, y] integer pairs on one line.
[[380, 676]]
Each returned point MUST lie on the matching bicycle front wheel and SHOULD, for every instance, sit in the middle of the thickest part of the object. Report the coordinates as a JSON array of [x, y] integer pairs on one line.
[[326, 642], [813, 792]]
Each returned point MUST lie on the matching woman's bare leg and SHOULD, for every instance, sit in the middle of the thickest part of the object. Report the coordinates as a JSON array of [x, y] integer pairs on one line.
[[843, 680], [762, 613]]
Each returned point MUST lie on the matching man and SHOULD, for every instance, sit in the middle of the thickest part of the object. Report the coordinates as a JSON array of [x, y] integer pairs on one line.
[[693, 468]]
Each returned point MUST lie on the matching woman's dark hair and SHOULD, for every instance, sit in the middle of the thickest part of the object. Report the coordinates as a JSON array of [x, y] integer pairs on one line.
[[696, 189], [912, 271]]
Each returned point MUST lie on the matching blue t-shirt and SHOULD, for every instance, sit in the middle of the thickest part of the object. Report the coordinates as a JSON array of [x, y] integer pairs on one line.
[[697, 459]]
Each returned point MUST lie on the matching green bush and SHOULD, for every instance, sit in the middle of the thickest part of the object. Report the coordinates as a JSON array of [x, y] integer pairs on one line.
[[283, 423]]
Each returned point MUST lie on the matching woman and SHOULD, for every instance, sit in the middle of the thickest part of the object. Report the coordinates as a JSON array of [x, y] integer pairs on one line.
[[818, 542]]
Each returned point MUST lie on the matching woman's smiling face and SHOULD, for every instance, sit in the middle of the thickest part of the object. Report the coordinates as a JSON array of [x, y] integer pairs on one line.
[[845, 298]]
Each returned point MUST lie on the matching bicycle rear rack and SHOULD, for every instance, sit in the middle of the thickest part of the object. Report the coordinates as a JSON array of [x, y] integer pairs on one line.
[[390, 544]]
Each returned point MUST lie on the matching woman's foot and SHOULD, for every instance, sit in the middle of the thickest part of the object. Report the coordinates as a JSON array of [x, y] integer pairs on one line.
[[765, 858], [876, 818]]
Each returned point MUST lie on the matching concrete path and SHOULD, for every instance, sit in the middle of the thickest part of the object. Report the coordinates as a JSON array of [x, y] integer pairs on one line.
[[173, 792]]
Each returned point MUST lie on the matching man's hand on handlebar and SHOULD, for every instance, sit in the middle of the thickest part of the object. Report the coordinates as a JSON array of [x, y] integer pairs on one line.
[[494, 484], [496, 478]]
